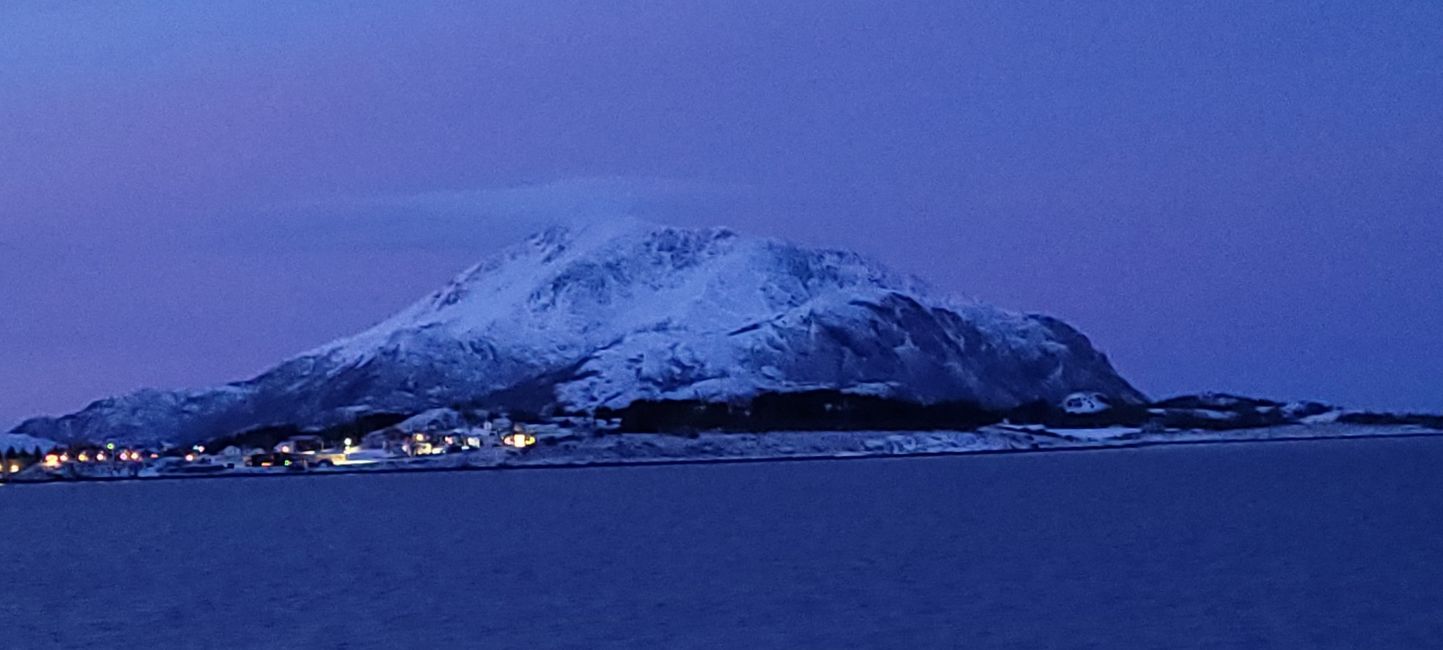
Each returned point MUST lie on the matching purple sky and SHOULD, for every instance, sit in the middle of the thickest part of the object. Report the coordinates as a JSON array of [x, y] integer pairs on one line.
[[1235, 196]]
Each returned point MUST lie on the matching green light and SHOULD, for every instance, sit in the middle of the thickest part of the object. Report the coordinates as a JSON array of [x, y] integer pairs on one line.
[[288, 463], [110, 446]]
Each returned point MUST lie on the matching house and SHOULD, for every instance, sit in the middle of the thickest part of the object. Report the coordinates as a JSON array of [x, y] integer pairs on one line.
[[232, 457], [300, 445], [390, 439], [1086, 403], [261, 460], [405, 443], [519, 438]]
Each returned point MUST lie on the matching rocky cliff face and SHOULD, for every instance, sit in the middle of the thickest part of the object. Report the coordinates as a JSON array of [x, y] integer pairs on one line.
[[604, 315]]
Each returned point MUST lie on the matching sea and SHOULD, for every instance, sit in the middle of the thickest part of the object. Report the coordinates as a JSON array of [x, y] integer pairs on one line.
[[1320, 544]]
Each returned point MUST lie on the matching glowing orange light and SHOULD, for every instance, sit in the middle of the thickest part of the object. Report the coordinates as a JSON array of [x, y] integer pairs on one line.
[[519, 440]]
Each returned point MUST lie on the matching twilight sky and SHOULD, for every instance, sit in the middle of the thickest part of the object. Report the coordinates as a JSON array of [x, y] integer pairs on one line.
[[1238, 196]]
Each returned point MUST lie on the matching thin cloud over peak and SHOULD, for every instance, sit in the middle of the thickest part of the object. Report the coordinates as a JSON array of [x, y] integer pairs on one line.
[[467, 218]]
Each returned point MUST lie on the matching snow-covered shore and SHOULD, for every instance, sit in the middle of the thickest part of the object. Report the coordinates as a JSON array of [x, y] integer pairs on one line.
[[719, 447], [628, 449]]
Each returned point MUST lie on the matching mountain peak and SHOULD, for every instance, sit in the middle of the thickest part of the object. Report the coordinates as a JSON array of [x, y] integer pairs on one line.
[[595, 280]]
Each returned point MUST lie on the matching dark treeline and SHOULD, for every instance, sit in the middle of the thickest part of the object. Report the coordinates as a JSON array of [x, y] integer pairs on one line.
[[832, 410], [267, 437], [1415, 419], [22, 456]]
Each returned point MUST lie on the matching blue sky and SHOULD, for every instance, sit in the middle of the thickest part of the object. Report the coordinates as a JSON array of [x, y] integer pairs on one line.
[[1223, 195]]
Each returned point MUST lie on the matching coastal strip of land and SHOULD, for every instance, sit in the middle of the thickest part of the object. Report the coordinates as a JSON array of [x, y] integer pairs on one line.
[[634, 449]]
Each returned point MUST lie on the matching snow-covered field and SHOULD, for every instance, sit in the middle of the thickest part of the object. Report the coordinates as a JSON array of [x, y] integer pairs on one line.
[[635, 448], [644, 448], [1314, 545]]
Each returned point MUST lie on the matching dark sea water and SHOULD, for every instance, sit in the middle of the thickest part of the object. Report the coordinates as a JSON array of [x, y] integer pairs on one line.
[[1294, 545]]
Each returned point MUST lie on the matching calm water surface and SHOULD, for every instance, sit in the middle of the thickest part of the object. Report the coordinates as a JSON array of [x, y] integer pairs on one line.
[[1326, 544]]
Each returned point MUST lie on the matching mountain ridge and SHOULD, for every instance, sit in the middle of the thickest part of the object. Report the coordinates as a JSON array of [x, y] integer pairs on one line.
[[606, 314]]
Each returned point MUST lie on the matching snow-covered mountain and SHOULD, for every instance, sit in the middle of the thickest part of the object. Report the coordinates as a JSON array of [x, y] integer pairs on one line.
[[607, 314]]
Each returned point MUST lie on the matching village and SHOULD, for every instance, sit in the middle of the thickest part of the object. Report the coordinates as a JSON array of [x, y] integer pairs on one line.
[[784, 427], [436, 439]]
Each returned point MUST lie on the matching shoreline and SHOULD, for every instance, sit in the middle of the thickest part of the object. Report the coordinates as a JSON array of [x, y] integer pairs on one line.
[[610, 463]]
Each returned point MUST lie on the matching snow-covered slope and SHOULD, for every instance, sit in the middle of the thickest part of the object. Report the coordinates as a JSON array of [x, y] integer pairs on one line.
[[25, 444], [604, 315]]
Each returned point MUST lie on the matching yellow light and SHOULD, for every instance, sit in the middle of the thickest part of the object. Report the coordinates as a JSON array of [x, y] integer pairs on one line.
[[64, 458], [51, 460], [519, 440], [420, 437], [99, 456], [348, 442], [285, 449], [14, 467], [189, 457], [83, 457]]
